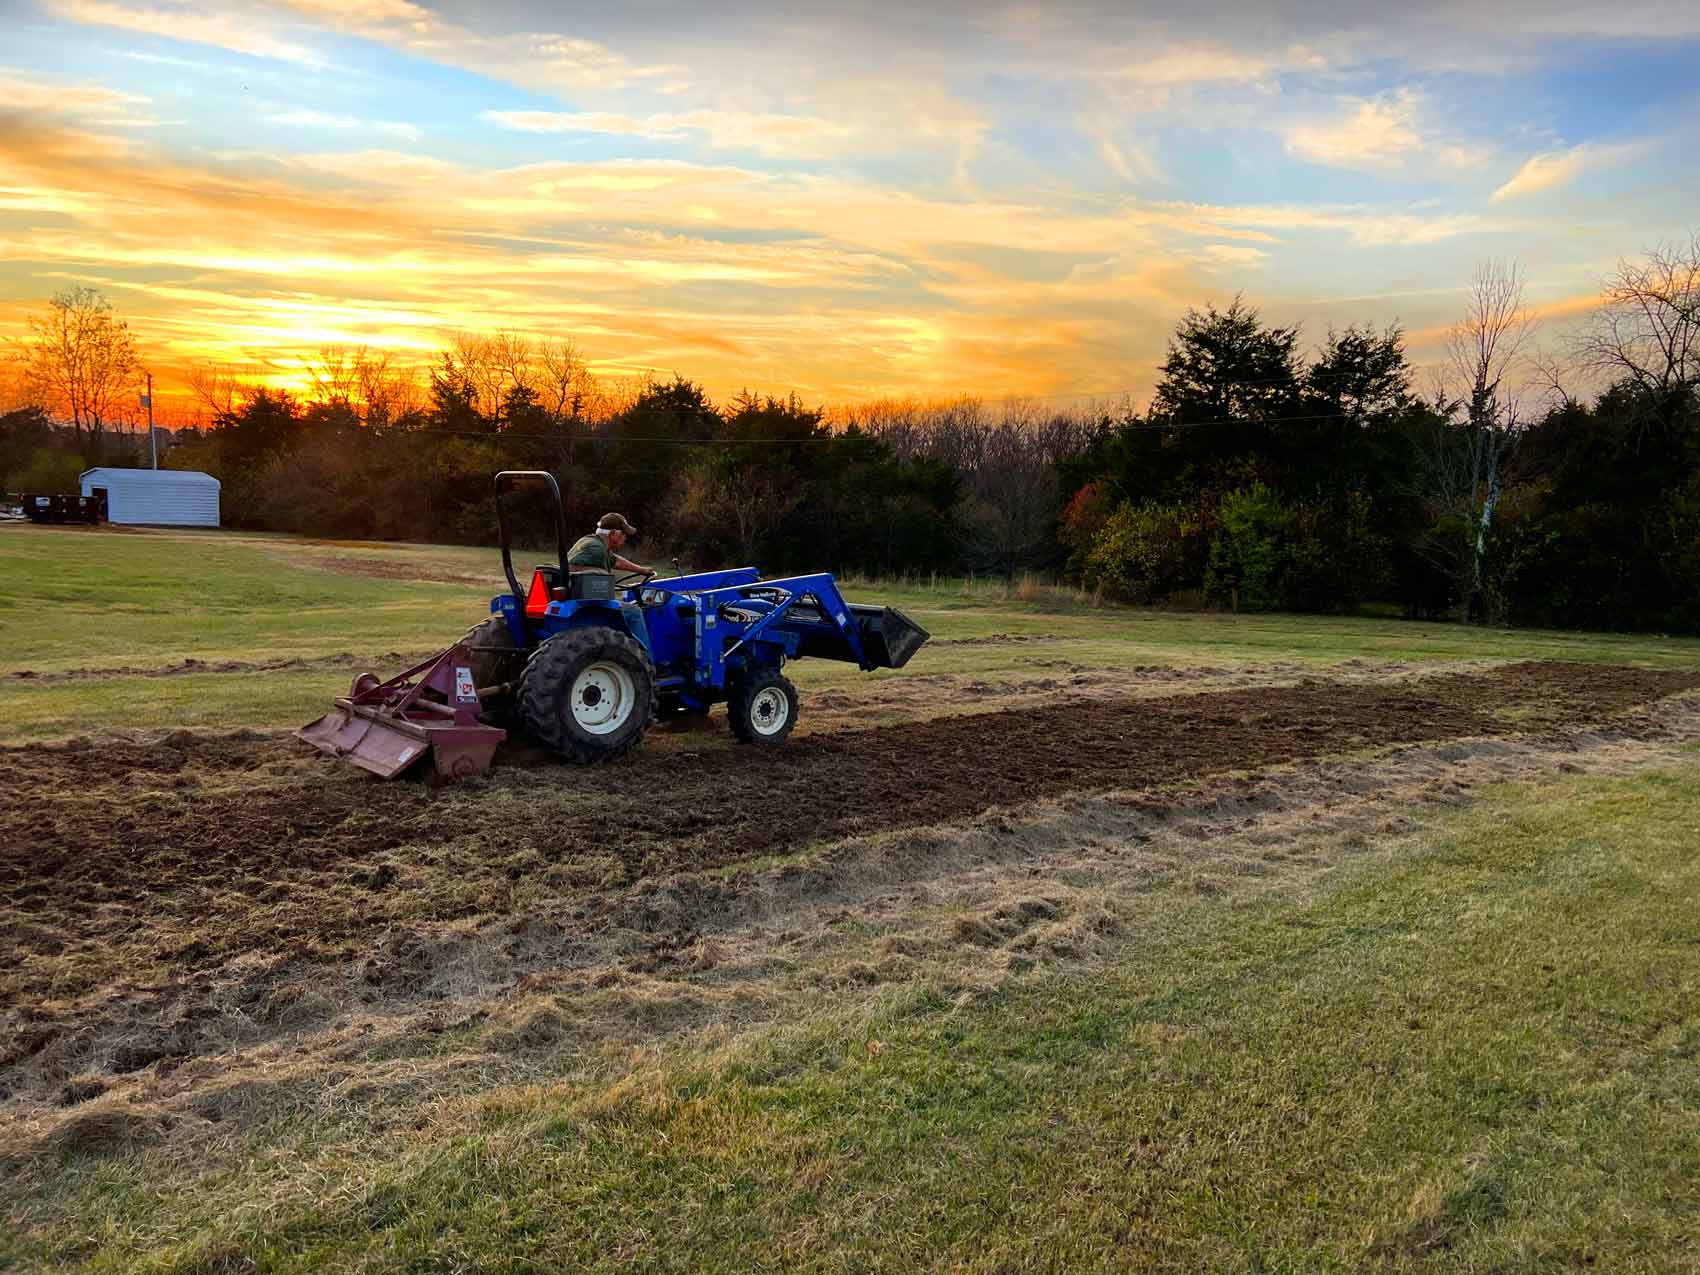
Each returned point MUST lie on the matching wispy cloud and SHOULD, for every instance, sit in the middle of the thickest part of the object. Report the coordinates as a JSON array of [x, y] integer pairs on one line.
[[653, 127], [1127, 160], [239, 34], [1381, 134], [314, 119], [1198, 64], [1364, 226], [321, 119], [28, 93], [91, 104], [768, 133], [546, 60], [1554, 169], [1231, 254]]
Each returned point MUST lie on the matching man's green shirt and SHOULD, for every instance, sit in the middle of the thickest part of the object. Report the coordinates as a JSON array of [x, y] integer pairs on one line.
[[591, 551]]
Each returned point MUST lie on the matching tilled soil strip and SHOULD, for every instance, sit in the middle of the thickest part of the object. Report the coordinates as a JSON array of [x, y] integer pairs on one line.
[[391, 660], [81, 859]]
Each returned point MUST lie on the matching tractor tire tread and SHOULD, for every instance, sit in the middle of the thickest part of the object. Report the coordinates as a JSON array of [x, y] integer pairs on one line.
[[495, 658], [738, 708], [547, 679]]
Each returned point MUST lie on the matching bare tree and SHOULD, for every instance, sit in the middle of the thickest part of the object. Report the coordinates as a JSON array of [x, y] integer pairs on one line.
[[492, 364], [900, 423], [221, 389], [1450, 461], [335, 373], [566, 389], [1484, 351], [368, 382], [1010, 489], [80, 361], [945, 430], [387, 391], [741, 509], [1555, 375], [16, 392], [1647, 332], [1010, 499], [508, 358], [756, 502]]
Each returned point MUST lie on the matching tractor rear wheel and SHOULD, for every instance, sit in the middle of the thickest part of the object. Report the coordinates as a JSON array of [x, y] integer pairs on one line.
[[496, 661], [763, 708], [588, 694]]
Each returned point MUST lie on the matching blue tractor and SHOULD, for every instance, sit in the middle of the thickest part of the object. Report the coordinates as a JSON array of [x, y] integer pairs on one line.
[[583, 662]]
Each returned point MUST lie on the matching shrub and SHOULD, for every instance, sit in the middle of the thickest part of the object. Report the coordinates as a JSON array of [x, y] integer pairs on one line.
[[1083, 518], [48, 472], [1338, 558], [1146, 551], [1252, 551], [1318, 556]]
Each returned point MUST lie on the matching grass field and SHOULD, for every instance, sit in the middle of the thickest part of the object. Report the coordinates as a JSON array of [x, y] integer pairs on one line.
[[1409, 982], [147, 601]]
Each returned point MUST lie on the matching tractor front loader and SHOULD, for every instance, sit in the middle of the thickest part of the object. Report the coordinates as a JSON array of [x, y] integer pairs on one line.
[[583, 662]]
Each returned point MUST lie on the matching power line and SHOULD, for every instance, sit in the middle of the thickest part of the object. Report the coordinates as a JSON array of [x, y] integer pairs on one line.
[[1240, 420], [872, 436]]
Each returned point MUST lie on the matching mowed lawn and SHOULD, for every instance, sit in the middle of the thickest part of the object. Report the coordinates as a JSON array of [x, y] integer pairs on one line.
[[129, 601]]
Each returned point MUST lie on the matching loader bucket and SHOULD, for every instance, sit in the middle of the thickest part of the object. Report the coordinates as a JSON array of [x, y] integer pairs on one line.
[[889, 637], [389, 727]]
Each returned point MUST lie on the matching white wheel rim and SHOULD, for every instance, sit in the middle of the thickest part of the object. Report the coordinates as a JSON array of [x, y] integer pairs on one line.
[[769, 711], [602, 698]]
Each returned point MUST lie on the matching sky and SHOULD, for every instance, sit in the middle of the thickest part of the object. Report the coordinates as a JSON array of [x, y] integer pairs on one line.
[[840, 201]]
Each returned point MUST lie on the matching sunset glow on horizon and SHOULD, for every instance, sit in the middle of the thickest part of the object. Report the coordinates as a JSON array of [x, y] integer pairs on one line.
[[900, 200]]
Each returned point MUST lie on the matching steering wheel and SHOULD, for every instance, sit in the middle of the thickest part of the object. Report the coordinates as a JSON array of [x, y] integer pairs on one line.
[[633, 579]]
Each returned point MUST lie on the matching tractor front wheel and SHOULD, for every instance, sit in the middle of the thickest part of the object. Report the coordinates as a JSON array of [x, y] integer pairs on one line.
[[588, 694], [763, 708]]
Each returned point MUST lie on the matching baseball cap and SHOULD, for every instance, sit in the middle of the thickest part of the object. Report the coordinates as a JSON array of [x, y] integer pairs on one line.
[[615, 522]]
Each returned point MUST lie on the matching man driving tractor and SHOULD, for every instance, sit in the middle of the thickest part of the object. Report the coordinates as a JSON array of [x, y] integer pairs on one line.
[[596, 552]]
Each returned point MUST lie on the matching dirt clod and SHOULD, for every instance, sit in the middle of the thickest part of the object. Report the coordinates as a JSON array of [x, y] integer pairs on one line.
[[81, 1089]]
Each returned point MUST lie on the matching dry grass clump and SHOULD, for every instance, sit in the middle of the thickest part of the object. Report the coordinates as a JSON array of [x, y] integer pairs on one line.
[[537, 1022], [104, 1128]]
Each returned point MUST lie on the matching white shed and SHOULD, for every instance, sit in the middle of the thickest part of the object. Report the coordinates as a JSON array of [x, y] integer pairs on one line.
[[161, 497]]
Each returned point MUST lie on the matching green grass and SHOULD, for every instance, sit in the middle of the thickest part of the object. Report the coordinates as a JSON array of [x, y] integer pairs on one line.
[[71, 598], [75, 598], [1482, 1058]]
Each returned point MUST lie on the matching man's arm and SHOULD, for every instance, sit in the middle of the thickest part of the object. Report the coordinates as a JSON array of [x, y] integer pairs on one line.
[[626, 565]]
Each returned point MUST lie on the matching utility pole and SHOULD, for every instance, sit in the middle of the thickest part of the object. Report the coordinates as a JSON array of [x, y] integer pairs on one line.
[[153, 440]]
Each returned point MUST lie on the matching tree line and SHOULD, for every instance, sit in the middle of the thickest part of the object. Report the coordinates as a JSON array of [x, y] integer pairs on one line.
[[1263, 474]]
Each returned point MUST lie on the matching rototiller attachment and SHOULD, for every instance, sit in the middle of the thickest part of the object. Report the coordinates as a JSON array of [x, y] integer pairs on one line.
[[431, 709]]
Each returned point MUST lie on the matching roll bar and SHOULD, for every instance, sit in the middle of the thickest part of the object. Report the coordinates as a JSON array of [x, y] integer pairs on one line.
[[509, 480]]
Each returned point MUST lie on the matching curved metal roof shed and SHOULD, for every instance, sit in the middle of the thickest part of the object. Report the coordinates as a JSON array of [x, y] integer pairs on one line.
[[158, 497]]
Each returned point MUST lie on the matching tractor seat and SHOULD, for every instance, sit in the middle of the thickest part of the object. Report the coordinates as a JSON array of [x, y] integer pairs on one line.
[[590, 586]]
